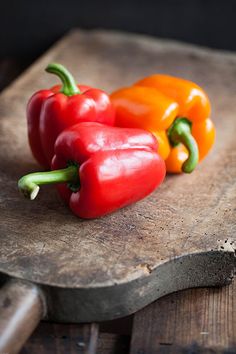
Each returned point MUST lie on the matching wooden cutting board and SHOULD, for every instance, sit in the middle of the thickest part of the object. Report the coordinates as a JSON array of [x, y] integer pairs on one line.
[[180, 236]]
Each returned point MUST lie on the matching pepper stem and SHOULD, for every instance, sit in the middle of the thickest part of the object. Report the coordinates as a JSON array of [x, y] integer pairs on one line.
[[180, 132], [69, 86], [29, 184]]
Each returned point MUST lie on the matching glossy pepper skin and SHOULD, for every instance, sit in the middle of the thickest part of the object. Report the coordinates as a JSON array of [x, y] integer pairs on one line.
[[51, 111], [157, 103], [100, 168]]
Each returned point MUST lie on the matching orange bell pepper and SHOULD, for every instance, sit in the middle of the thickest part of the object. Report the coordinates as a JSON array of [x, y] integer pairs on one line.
[[176, 111]]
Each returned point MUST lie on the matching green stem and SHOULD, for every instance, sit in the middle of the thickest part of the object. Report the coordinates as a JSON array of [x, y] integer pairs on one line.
[[29, 184], [180, 132], [69, 86]]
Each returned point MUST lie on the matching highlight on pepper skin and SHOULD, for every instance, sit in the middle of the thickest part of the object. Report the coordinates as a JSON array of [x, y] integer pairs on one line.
[[99, 169], [176, 111], [50, 111]]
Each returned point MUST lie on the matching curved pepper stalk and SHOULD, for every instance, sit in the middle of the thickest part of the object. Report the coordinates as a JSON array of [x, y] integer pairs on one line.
[[180, 132], [69, 86], [106, 169], [50, 111], [29, 184]]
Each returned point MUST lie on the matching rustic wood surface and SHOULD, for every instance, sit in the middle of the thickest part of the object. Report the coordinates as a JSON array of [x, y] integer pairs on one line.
[[54, 338], [49, 338], [181, 236], [21, 309], [73, 339], [189, 321]]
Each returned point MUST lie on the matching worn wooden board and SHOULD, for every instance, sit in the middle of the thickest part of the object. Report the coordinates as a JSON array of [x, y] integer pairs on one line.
[[50, 338], [199, 321], [60, 339], [181, 236], [189, 321]]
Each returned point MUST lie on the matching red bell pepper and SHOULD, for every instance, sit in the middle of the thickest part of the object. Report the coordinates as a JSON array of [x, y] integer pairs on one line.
[[100, 168], [49, 112]]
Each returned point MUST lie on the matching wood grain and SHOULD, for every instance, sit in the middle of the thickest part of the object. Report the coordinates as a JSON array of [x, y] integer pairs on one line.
[[21, 308], [73, 339], [189, 321], [181, 236]]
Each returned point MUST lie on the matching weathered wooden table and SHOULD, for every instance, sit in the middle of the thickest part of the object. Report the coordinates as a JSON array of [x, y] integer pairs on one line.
[[190, 321], [194, 321]]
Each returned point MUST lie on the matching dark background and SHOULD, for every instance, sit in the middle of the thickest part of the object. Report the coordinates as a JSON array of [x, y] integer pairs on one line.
[[29, 27]]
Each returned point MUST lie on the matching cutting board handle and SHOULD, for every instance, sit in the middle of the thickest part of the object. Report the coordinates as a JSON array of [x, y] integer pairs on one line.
[[22, 306]]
